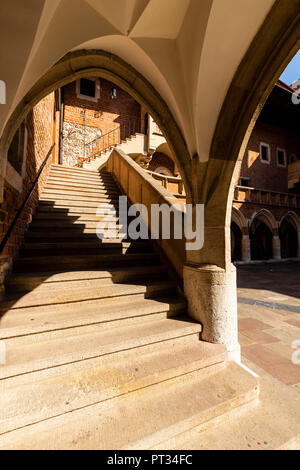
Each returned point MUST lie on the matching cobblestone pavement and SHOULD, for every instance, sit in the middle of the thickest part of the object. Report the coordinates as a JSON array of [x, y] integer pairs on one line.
[[269, 320]]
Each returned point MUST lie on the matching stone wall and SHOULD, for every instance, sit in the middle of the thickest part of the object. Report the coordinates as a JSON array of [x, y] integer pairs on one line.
[[75, 138]]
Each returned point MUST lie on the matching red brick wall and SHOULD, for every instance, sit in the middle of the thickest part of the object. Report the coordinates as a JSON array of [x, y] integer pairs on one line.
[[105, 114], [262, 175], [39, 125]]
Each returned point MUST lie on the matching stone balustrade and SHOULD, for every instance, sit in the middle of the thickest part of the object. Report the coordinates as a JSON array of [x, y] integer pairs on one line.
[[173, 184], [141, 188], [262, 196]]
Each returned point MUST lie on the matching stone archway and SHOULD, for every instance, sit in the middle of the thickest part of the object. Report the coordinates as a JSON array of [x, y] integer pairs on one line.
[[261, 241], [236, 242], [289, 233], [271, 50], [263, 233], [214, 178], [162, 163], [239, 236], [98, 63]]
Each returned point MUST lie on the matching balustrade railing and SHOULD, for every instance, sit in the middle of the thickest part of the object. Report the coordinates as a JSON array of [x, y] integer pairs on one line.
[[173, 184], [266, 197], [114, 137]]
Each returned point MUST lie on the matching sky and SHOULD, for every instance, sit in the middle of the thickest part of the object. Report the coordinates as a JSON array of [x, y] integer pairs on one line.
[[292, 72]]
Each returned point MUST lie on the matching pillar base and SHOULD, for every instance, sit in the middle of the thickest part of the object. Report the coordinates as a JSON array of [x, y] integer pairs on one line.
[[212, 301]]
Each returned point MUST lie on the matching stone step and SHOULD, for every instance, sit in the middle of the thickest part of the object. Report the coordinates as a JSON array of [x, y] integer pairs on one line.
[[68, 199], [81, 177], [34, 248], [57, 179], [61, 183], [53, 210], [70, 387], [68, 170], [80, 172], [66, 203], [84, 186], [77, 189], [271, 424], [172, 407], [44, 263], [121, 311], [81, 235], [96, 289], [52, 192], [30, 353], [61, 203], [79, 218], [54, 280], [66, 224]]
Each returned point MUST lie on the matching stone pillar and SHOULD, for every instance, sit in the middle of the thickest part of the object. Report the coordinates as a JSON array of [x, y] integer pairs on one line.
[[212, 301], [246, 252], [276, 247], [209, 276]]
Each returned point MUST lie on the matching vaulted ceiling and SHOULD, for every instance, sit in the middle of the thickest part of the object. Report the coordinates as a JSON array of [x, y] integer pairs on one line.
[[188, 49]]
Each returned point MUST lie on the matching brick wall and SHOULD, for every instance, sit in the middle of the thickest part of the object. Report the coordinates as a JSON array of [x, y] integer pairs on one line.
[[84, 119], [263, 175], [39, 126]]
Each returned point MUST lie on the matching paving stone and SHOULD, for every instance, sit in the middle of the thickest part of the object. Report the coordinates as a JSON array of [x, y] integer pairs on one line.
[[252, 324], [259, 336]]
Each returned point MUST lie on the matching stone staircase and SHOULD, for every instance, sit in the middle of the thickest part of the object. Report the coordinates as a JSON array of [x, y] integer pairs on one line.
[[100, 353], [135, 144]]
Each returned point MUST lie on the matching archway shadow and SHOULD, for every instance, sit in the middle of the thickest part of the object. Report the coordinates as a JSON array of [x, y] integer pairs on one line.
[[61, 251], [282, 278]]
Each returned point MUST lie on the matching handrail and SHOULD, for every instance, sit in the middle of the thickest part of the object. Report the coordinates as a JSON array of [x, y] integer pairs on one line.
[[132, 127], [20, 210], [139, 120]]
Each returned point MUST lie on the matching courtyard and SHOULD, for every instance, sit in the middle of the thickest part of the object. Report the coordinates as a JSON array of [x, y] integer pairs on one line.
[[269, 320]]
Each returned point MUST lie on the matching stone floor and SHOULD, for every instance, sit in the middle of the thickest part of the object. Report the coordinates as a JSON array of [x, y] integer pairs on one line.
[[269, 320]]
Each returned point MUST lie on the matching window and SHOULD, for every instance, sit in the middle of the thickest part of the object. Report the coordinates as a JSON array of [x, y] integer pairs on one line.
[[244, 181], [265, 156], [281, 157], [17, 149], [88, 89]]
